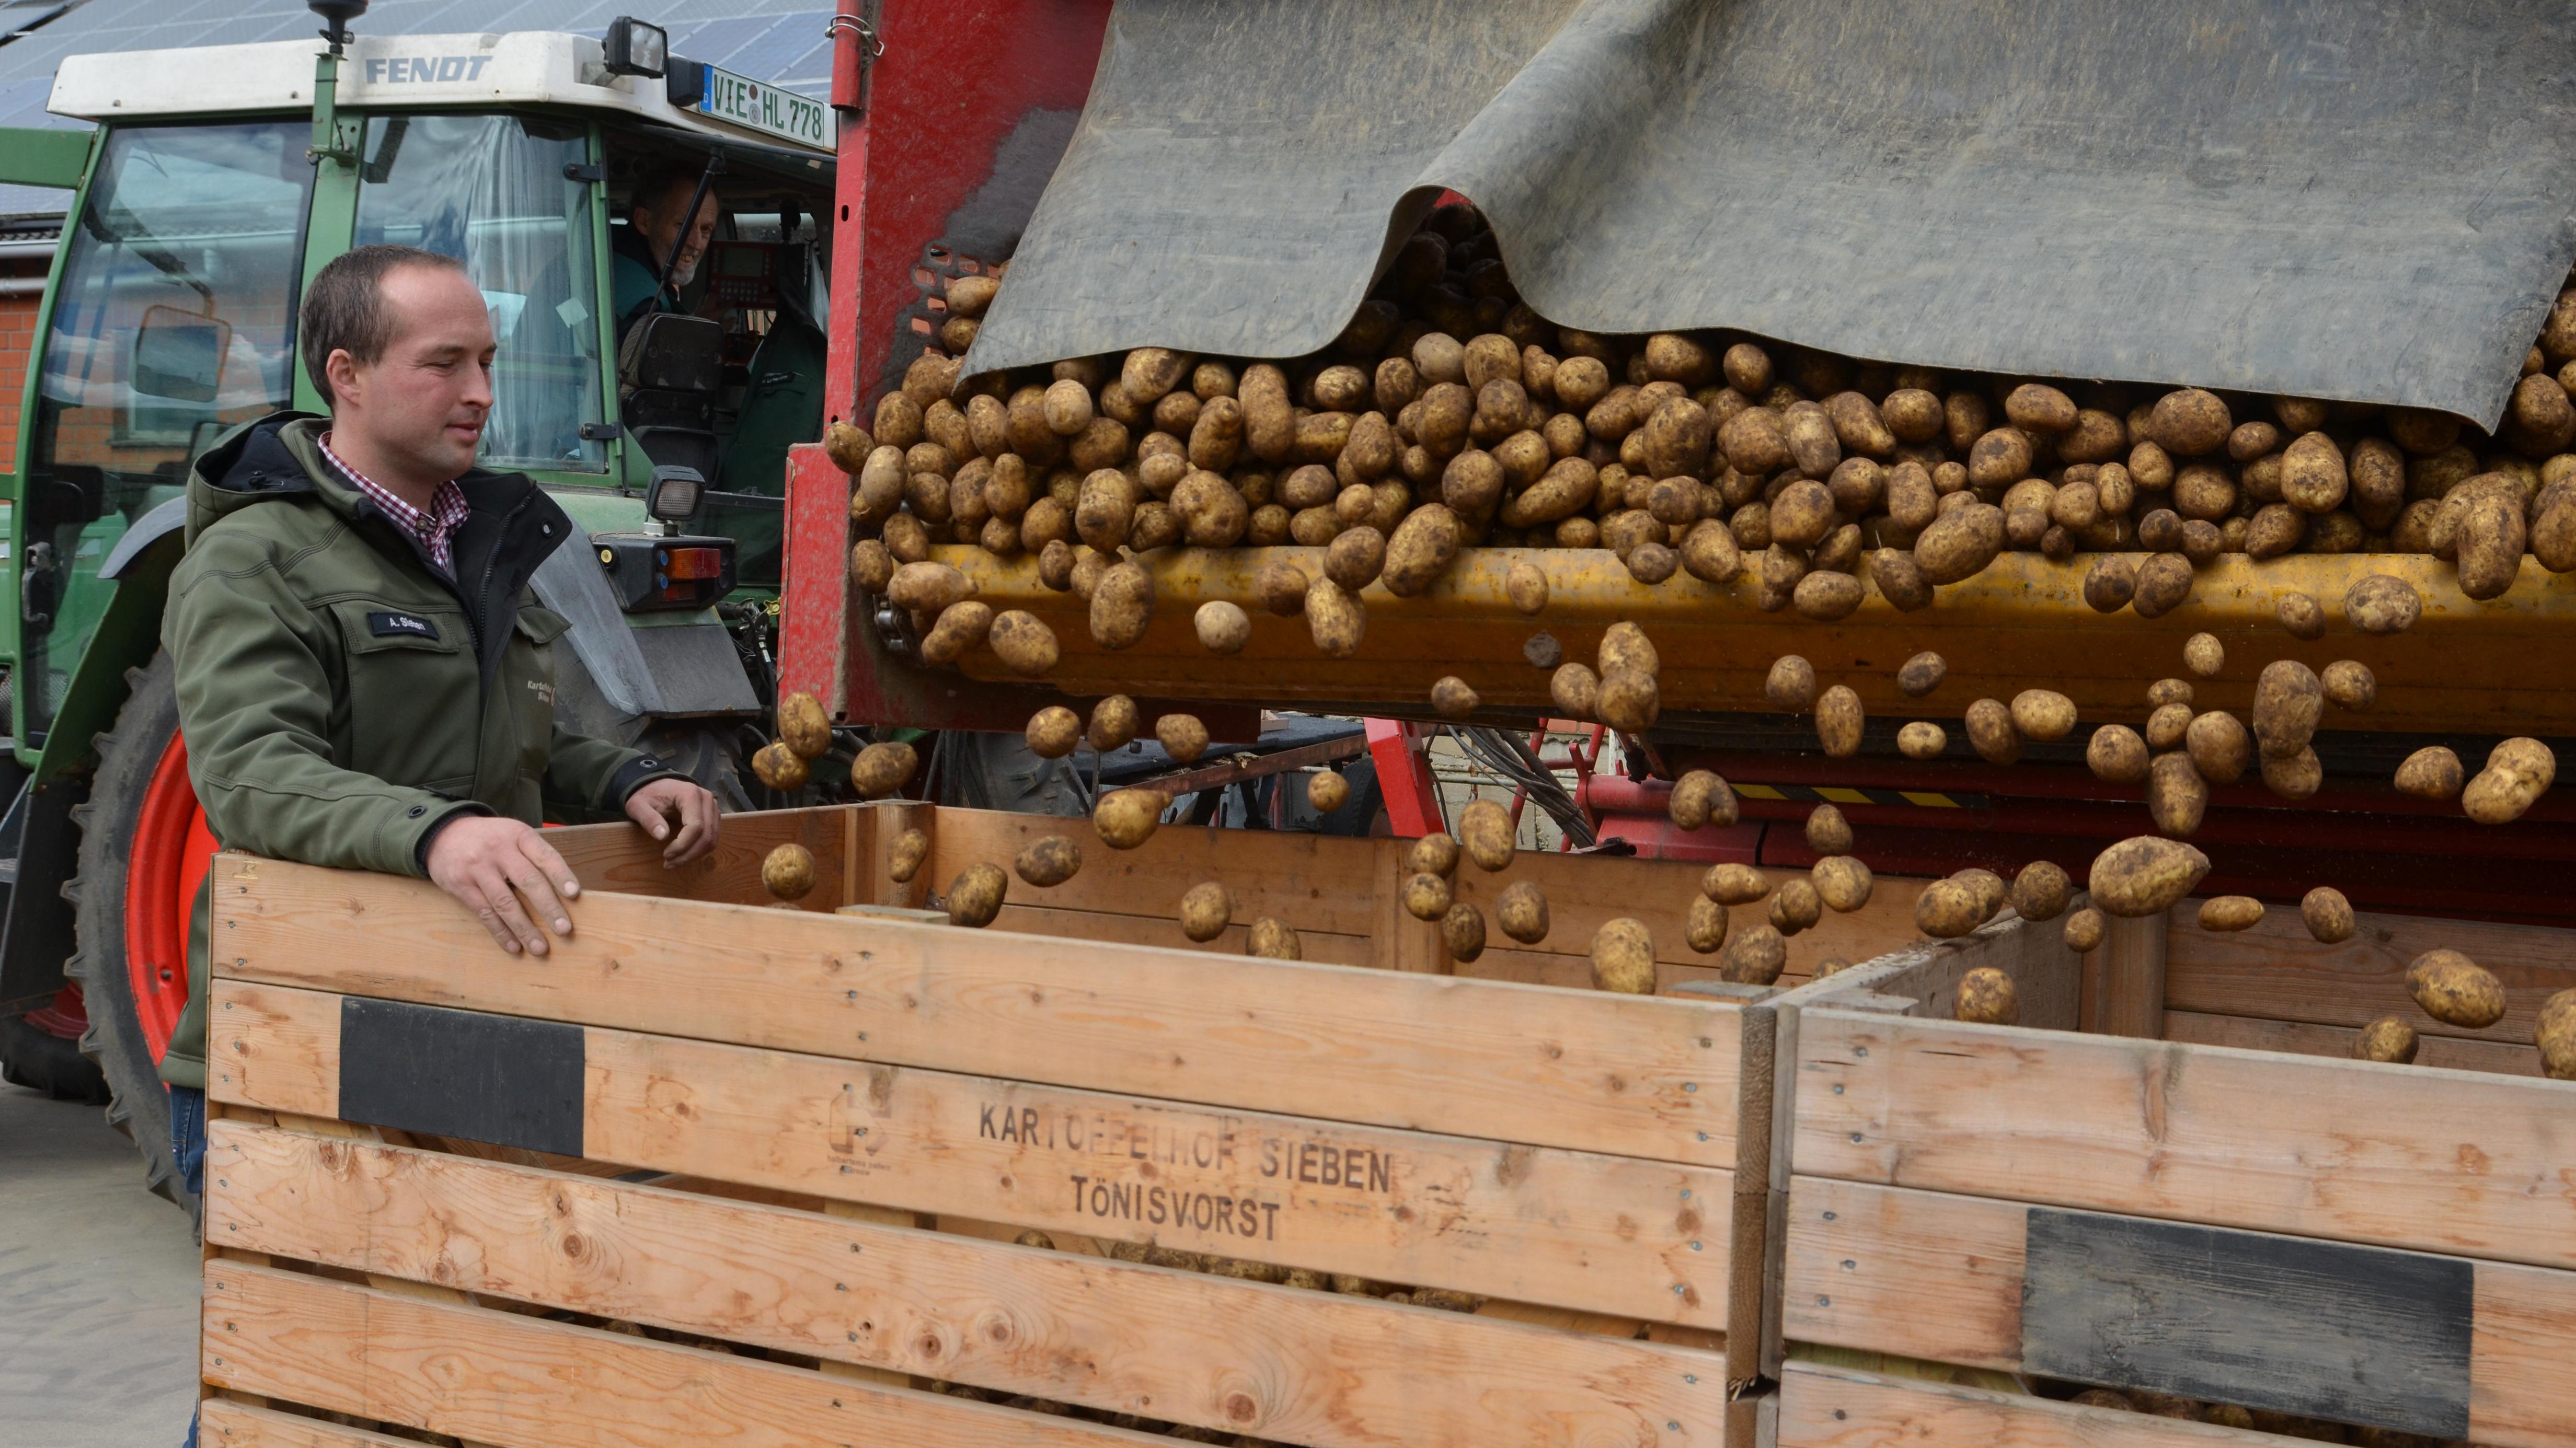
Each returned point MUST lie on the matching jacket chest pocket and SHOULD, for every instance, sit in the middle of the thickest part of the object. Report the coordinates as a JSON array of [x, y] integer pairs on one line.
[[414, 697], [528, 672]]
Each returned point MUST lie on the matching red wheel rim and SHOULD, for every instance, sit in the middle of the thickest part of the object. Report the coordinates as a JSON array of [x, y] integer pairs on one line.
[[171, 853]]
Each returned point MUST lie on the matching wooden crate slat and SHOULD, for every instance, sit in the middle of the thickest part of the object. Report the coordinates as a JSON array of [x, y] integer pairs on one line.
[[1042, 917], [1571, 1229], [2301, 1145], [1324, 883], [223, 1423], [1633, 1075], [523, 1382], [1276, 1362], [2301, 1038], [1941, 1277], [623, 859], [1827, 1407], [2277, 971]]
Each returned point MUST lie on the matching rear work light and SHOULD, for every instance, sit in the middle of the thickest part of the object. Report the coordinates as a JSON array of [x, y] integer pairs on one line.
[[651, 573]]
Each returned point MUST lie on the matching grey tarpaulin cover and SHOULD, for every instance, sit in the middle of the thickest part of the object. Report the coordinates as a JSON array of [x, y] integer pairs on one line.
[[2367, 200]]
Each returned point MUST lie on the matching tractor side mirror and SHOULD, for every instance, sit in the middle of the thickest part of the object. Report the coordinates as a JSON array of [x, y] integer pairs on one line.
[[180, 355]]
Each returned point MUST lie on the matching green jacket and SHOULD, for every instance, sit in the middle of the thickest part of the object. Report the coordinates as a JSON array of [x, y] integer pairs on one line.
[[340, 698]]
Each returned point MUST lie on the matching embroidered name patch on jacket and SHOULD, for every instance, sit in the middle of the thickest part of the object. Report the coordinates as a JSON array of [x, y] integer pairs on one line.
[[387, 625]]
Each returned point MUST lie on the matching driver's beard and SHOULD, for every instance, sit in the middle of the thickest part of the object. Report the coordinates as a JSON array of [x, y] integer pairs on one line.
[[686, 272]]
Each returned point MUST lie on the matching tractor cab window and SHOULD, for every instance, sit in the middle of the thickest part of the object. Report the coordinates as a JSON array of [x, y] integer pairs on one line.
[[174, 321], [503, 195]]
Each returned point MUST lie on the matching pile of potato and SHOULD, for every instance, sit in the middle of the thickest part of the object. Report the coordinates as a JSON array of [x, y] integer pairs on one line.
[[1450, 415]]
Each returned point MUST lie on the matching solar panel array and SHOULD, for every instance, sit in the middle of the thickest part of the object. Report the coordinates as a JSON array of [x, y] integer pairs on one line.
[[778, 41]]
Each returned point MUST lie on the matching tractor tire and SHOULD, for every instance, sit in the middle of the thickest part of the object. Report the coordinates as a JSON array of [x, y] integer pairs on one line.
[[39, 1060], [113, 826]]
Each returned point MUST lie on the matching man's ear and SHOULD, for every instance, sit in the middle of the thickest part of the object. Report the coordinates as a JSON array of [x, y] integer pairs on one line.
[[342, 369]]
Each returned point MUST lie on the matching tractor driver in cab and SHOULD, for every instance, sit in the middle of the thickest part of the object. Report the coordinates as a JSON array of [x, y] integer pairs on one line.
[[655, 226]]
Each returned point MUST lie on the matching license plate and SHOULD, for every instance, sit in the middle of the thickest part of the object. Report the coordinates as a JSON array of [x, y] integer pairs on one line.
[[758, 106]]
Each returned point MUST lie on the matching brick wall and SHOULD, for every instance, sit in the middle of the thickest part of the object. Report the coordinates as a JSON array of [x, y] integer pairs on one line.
[[17, 344]]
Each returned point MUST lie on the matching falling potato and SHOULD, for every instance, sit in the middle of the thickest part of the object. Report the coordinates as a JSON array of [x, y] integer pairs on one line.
[[2204, 655], [1988, 997], [1792, 684], [2117, 755], [1434, 854], [2084, 930], [1922, 740], [904, 860], [2555, 1035], [2041, 891], [1182, 736], [976, 895], [2349, 685], [1734, 884], [788, 872], [1627, 700], [1704, 930], [803, 726], [1756, 956], [1699, 799], [1842, 882], [1485, 832], [1054, 732], [1991, 732], [2231, 912], [2145, 875], [780, 768], [1522, 912], [1327, 790], [2518, 773], [1272, 940], [1023, 642], [1574, 689], [1525, 584], [2327, 914], [2387, 1039], [1840, 721], [2432, 772], [1224, 628], [1050, 861], [1206, 910], [1462, 930], [1426, 896], [1947, 909], [1452, 699], [881, 769], [1921, 674], [2455, 990], [1623, 957], [1126, 818], [1796, 906], [1114, 722], [2042, 714]]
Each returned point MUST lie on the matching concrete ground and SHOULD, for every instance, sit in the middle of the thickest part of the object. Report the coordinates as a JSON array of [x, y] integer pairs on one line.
[[98, 1287]]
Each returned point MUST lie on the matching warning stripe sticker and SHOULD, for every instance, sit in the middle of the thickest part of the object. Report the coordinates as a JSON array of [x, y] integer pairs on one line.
[[1845, 794]]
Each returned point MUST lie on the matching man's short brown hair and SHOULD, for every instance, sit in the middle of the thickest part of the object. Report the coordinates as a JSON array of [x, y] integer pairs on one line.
[[344, 308]]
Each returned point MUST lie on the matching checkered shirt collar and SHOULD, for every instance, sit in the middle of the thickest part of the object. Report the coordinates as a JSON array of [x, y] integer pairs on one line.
[[435, 528]]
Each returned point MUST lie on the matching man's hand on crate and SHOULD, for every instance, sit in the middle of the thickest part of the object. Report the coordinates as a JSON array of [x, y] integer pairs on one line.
[[491, 864], [680, 814]]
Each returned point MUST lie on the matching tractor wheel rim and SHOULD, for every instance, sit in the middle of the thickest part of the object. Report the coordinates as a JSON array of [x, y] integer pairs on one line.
[[165, 867]]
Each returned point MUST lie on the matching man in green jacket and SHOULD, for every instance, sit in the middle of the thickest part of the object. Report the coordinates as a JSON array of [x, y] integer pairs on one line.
[[365, 680]]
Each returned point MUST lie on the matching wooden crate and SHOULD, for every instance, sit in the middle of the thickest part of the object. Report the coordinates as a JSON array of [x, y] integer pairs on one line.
[[2172, 1177], [718, 1170]]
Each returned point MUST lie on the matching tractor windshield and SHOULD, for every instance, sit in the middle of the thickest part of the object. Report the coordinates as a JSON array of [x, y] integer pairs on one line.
[[505, 195]]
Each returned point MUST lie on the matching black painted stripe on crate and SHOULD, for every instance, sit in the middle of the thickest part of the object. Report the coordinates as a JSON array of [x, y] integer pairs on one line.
[[2324, 1329], [500, 1079]]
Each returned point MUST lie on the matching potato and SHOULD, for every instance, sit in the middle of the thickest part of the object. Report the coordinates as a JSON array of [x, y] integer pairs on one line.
[[2117, 755], [1049, 861], [2432, 772], [2169, 727], [2188, 422], [1842, 882], [1426, 895], [1959, 544], [2490, 546], [2455, 990], [871, 565], [1462, 931], [1575, 690], [1987, 996], [976, 895], [1733, 884], [2388, 1040], [2219, 747], [1627, 701], [1207, 908], [2327, 915], [2518, 773], [1756, 956], [904, 860], [2164, 584], [1921, 674], [2381, 604], [1899, 581], [1522, 913], [1485, 833], [1839, 722], [881, 769], [1114, 723], [2555, 1035], [1920, 740], [1989, 888], [848, 446], [803, 726], [1452, 699], [1335, 619], [1947, 909], [960, 627], [1796, 906], [1828, 833], [1125, 818], [1704, 928], [2231, 912], [1327, 790], [2204, 655], [1182, 736], [1122, 602], [2043, 714], [788, 872], [2293, 776], [1792, 684], [2084, 930], [1054, 732], [1623, 957], [2145, 875], [1525, 584], [2111, 582], [1272, 940], [1055, 560], [2287, 700], [1424, 546], [1991, 732], [1355, 557], [1700, 799], [927, 587], [2040, 891], [1021, 640]]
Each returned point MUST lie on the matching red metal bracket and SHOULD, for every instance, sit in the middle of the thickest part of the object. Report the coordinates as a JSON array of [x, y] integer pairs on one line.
[[1404, 776]]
